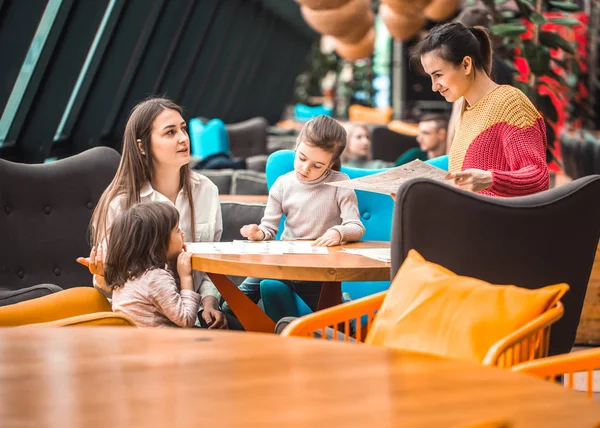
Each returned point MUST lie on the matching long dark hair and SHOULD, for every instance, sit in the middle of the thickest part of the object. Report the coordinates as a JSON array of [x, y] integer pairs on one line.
[[136, 168], [327, 134], [139, 241], [453, 42]]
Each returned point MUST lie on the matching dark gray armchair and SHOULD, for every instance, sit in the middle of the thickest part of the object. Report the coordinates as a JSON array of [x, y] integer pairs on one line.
[[45, 212], [530, 241], [248, 138], [388, 145]]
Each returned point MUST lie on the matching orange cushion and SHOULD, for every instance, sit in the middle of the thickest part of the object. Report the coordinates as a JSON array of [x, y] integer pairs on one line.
[[64, 304], [431, 309], [358, 113]]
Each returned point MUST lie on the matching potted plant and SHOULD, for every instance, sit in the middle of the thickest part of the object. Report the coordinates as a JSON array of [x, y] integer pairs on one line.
[[580, 141], [544, 62]]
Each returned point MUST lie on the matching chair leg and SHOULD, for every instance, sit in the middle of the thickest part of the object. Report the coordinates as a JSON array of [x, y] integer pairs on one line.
[[331, 295]]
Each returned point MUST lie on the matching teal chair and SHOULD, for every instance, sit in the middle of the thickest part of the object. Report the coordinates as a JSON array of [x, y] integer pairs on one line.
[[303, 113], [376, 212], [208, 139], [441, 162]]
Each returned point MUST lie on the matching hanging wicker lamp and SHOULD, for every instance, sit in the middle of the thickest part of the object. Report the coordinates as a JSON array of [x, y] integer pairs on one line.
[[440, 10], [337, 22], [353, 52]]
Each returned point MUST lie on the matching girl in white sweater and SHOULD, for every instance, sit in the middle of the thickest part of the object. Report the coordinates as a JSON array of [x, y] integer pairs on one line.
[[314, 211]]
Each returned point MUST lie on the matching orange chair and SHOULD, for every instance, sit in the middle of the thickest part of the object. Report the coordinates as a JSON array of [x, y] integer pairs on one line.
[[99, 319], [567, 364], [527, 343], [358, 113], [74, 306], [405, 128]]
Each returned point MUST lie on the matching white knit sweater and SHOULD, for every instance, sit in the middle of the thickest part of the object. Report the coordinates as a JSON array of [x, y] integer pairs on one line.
[[312, 208]]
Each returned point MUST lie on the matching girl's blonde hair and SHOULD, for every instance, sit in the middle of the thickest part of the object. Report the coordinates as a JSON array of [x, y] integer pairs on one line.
[[353, 128], [136, 166], [327, 134], [139, 242]]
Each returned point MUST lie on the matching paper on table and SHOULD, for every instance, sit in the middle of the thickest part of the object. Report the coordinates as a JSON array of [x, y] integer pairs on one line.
[[387, 182], [255, 247], [284, 247], [381, 254]]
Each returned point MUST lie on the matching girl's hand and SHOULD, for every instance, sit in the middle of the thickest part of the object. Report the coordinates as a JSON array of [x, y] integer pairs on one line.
[[329, 239], [95, 262], [184, 265], [214, 318], [472, 179], [252, 232]]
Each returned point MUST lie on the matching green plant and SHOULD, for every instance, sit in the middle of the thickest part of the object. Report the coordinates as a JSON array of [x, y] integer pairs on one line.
[[308, 83], [360, 87], [353, 80], [593, 80], [520, 33]]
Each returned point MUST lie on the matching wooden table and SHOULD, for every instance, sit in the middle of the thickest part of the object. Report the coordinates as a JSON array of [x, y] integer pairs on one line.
[[331, 269], [247, 199], [124, 377]]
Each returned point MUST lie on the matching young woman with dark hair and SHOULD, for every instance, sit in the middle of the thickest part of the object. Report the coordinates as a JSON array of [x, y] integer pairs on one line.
[[499, 146], [155, 167]]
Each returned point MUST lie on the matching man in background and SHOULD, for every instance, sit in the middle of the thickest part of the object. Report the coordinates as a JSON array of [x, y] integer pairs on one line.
[[431, 139]]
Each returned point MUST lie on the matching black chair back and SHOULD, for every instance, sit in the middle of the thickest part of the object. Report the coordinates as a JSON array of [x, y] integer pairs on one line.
[[44, 218], [388, 145], [248, 138]]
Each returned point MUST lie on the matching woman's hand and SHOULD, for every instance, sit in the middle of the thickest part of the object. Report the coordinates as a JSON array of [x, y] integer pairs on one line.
[[329, 239], [95, 262], [472, 179], [184, 266], [211, 313], [252, 232]]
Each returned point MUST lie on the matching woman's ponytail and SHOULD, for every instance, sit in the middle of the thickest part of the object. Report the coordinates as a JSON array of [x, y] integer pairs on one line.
[[485, 47], [454, 42]]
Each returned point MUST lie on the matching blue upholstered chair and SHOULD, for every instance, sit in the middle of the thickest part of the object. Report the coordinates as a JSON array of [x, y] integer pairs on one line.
[[441, 162], [208, 139], [376, 212], [302, 112]]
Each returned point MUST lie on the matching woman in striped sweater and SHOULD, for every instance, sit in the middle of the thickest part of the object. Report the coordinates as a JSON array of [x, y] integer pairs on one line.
[[499, 146]]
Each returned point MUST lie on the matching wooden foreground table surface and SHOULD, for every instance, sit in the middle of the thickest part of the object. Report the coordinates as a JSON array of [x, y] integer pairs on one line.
[[125, 377]]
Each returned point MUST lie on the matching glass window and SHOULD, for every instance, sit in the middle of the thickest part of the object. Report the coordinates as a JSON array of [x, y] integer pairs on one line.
[[28, 67]]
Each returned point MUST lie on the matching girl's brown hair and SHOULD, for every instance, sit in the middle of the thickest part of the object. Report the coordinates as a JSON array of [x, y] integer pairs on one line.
[[136, 168], [327, 134], [454, 42], [139, 241]]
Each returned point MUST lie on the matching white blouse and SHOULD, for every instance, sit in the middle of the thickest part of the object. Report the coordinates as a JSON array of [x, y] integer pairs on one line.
[[207, 210]]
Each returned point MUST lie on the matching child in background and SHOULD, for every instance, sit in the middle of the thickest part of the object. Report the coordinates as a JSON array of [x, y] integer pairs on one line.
[[358, 150], [313, 210], [145, 240]]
